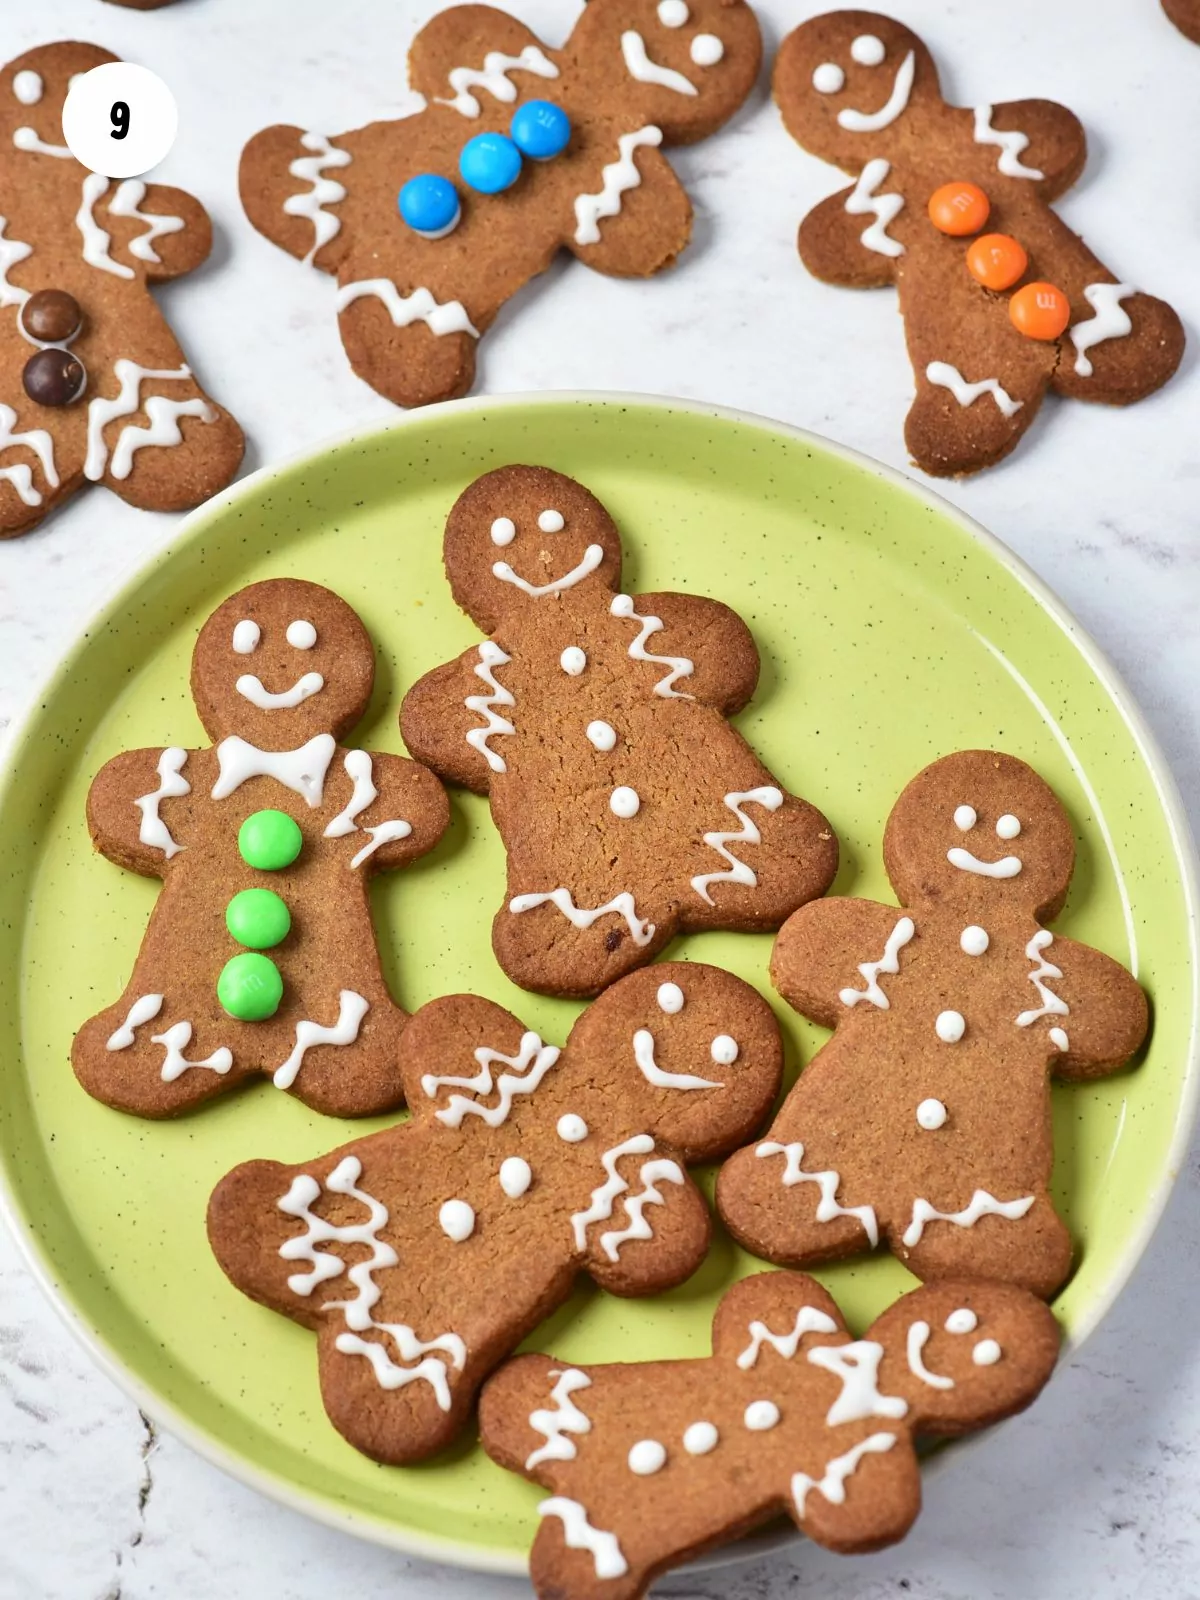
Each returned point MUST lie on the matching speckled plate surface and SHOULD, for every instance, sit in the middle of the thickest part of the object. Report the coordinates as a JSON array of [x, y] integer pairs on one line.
[[892, 630]]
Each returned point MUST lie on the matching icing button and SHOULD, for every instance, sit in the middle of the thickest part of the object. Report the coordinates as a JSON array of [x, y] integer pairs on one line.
[[540, 129], [950, 1026], [624, 802], [489, 163], [429, 205], [54, 378]]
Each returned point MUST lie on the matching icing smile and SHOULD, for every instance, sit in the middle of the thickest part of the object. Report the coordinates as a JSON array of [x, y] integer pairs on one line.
[[872, 121], [251, 688], [592, 557], [639, 66], [1006, 867]]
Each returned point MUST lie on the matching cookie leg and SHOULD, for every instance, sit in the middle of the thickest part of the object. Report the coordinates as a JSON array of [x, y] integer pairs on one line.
[[1121, 345], [410, 347], [152, 1062], [37, 472], [571, 1556], [575, 952], [1033, 1251], [388, 1394], [797, 1223], [880, 1483], [359, 1079]]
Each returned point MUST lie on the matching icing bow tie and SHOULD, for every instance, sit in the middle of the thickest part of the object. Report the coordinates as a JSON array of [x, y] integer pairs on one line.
[[303, 770]]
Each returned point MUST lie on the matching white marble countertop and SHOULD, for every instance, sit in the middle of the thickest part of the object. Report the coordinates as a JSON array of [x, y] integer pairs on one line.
[[1096, 1492]]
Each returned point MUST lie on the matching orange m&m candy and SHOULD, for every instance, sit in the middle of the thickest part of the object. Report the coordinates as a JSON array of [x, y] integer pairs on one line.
[[1039, 311], [958, 209], [996, 260]]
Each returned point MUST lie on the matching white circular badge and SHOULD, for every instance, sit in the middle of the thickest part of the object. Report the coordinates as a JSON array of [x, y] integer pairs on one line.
[[119, 119]]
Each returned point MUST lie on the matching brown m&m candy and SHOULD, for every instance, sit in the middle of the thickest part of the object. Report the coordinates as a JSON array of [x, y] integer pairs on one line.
[[51, 316], [54, 377]]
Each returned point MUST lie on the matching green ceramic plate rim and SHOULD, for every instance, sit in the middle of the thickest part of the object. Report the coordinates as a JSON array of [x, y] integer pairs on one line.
[[430, 1546]]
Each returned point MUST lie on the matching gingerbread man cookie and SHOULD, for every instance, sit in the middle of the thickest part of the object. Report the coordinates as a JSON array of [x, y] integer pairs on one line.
[[925, 1121], [260, 956], [1185, 14], [522, 1166], [596, 720], [648, 1465], [93, 385], [992, 318], [431, 222]]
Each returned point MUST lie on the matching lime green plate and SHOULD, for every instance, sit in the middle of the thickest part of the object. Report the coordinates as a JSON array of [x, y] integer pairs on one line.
[[892, 631]]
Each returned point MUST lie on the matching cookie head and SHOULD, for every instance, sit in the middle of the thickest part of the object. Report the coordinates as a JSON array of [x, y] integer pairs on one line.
[[980, 828], [279, 662], [522, 537], [847, 84], [34, 88]]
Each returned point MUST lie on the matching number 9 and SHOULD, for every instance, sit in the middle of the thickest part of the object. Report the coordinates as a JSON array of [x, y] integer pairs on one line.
[[119, 116]]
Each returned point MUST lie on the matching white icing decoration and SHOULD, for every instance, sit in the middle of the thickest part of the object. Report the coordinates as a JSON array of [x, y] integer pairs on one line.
[[918, 1337], [246, 635], [322, 192], [950, 1026], [602, 735], [126, 203], [965, 818], [457, 1220], [829, 78], [621, 905], [301, 635], [515, 1176], [490, 657], [647, 1457], [700, 1437], [982, 1204], [143, 1010], [863, 201], [889, 962], [808, 1320], [833, 1484], [251, 688], [931, 1115], [643, 1054], [419, 306], [27, 139], [571, 1129], [578, 1534], [152, 830], [12, 251], [550, 521], [1052, 1004], [986, 1353], [601, 1208], [974, 940], [827, 1182], [383, 833], [680, 666], [1006, 867], [867, 50], [163, 415], [175, 1041], [672, 13], [1011, 145], [494, 78], [530, 1064], [706, 50], [302, 771], [503, 531], [770, 799], [573, 661], [21, 478], [40, 443], [943, 376], [724, 1050], [352, 1008], [670, 998], [592, 557], [874, 121], [565, 1418], [1058, 1038], [760, 1415], [639, 65], [1109, 322], [624, 802], [1008, 826], [298, 1202], [359, 769], [29, 88], [856, 1365], [963, 1320], [616, 179]]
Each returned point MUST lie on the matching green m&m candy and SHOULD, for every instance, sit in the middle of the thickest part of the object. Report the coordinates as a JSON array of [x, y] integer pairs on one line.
[[258, 918], [250, 987], [269, 840]]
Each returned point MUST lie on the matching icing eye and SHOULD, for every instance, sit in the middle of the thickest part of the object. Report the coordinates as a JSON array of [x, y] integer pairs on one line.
[[986, 1353], [625, 802], [670, 998], [28, 88], [724, 1050], [301, 635], [246, 636], [950, 1026], [963, 1320], [867, 50], [965, 818], [931, 1115], [673, 13], [573, 660], [974, 940], [706, 50], [1008, 827], [551, 521], [504, 531], [828, 78], [602, 735]]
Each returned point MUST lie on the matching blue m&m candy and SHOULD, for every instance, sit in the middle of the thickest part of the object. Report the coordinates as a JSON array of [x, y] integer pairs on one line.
[[540, 129], [490, 163], [429, 205]]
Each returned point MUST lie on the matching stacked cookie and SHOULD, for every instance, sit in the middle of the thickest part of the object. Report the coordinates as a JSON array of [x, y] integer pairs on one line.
[[630, 810]]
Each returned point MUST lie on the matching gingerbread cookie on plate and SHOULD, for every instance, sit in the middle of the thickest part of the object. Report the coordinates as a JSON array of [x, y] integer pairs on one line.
[[1001, 301], [93, 385], [597, 722], [651, 1464], [260, 956], [924, 1123]]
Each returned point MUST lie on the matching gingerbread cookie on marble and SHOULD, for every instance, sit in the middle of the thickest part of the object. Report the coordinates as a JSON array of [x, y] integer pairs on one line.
[[430, 223], [93, 385], [522, 1166], [596, 720], [260, 956], [1185, 14], [648, 1465], [925, 1121], [1001, 301]]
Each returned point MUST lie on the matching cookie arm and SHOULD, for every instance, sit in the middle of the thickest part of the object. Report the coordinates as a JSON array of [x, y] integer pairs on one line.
[[658, 1232], [627, 228], [158, 228], [461, 38], [437, 722], [295, 209], [833, 238], [408, 794], [1109, 1014], [710, 645], [143, 838], [821, 948], [1057, 144]]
